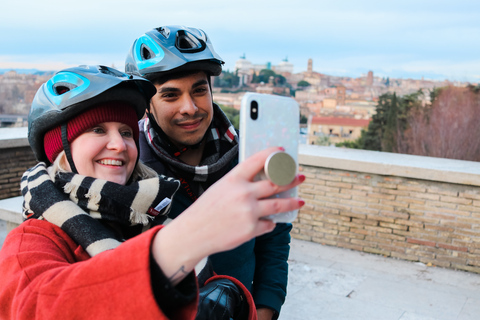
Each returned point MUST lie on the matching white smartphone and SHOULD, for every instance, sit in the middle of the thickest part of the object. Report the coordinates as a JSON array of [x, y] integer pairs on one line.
[[266, 121]]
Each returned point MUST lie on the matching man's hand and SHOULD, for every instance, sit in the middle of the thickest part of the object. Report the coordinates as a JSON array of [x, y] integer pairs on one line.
[[264, 314]]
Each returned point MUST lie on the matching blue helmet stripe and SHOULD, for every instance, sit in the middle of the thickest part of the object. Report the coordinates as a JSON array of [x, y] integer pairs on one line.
[[152, 45], [80, 82]]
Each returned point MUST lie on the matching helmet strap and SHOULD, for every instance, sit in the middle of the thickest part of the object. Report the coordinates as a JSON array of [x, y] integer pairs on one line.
[[66, 148]]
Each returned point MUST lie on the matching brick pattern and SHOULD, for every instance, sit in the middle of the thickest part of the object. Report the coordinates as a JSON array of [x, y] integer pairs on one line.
[[13, 163], [431, 222]]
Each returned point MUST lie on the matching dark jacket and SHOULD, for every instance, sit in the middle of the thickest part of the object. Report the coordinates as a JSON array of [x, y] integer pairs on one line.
[[260, 264]]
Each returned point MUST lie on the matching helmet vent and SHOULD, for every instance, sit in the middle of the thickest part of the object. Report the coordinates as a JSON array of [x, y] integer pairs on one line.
[[63, 87], [165, 32], [146, 52], [111, 72], [187, 42]]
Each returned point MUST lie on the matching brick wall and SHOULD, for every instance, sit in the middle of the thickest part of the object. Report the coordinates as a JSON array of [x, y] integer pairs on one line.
[[13, 163], [418, 220]]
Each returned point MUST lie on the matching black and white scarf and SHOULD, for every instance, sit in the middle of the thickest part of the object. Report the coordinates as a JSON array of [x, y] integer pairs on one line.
[[96, 214], [221, 148]]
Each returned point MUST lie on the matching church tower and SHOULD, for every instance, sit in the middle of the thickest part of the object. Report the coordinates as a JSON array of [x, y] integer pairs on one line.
[[370, 78]]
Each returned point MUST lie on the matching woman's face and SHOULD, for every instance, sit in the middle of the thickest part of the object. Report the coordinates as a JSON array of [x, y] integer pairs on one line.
[[106, 151]]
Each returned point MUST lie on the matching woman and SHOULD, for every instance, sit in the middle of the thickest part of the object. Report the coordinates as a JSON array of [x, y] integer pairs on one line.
[[89, 247]]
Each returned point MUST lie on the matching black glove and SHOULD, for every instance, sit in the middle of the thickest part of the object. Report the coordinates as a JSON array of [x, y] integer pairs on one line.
[[221, 299]]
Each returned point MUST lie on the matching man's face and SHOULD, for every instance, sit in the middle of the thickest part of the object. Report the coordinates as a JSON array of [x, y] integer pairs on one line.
[[183, 108]]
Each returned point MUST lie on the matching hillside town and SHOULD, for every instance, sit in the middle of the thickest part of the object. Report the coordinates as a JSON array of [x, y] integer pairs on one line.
[[333, 109]]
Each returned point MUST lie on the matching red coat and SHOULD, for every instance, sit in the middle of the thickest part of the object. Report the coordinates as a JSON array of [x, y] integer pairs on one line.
[[44, 274]]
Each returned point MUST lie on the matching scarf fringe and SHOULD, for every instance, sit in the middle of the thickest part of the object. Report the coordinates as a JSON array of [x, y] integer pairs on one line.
[[95, 197], [140, 218], [72, 189]]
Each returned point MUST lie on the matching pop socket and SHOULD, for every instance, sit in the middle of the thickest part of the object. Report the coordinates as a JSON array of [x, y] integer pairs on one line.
[[280, 168]]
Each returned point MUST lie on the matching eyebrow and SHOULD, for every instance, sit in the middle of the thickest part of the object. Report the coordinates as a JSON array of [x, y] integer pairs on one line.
[[199, 83], [174, 89], [168, 89]]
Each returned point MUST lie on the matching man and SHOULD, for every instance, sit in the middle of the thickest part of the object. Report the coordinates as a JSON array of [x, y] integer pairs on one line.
[[187, 136]]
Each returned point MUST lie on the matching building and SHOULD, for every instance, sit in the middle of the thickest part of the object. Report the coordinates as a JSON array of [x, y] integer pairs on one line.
[[284, 68], [370, 79], [337, 129]]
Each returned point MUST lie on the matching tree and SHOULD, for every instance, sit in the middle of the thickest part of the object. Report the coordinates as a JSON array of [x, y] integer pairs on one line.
[[279, 80], [303, 119], [232, 114], [387, 82], [263, 76], [266, 74], [390, 128], [303, 84], [448, 127], [371, 139], [323, 141], [227, 80], [348, 144], [386, 129]]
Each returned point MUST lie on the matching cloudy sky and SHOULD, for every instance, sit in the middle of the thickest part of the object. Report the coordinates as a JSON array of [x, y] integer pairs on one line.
[[434, 39]]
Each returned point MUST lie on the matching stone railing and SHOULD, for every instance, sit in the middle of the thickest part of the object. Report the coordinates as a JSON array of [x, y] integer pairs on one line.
[[16, 156], [407, 207]]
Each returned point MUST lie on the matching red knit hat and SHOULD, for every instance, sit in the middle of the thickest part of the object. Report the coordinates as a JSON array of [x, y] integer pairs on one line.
[[107, 112]]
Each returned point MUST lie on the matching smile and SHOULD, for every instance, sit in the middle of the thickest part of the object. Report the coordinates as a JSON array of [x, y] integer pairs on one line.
[[110, 162], [190, 124]]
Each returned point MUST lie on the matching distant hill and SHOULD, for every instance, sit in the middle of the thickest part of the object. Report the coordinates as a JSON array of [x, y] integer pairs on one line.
[[28, 71]]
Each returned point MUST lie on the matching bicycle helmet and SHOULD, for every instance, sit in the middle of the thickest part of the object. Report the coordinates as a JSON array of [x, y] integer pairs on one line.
[[170, 49], [72, 91]]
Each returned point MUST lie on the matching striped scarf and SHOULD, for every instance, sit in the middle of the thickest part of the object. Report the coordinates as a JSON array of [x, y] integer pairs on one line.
[[96, 214], [221, 148]]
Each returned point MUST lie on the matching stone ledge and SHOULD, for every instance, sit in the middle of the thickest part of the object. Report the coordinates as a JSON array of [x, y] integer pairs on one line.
[[11, 210], [375, 162], [13, 137], [392, 164]]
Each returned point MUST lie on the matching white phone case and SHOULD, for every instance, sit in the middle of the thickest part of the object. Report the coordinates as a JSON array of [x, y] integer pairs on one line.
[[276, 124]]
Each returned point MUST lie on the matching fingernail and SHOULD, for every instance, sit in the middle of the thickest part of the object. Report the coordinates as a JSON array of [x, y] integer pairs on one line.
[[301, 177], [281, 148], [301, 202]]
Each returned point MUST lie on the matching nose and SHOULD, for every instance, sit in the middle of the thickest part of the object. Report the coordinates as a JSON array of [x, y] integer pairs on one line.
[[188, 106], [116, 142]]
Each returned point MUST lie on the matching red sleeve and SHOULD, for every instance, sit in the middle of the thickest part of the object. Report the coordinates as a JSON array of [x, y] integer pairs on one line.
[[45, 275]]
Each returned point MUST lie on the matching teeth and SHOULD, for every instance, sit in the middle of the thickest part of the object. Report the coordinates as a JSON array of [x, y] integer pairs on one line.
[[111, 162]]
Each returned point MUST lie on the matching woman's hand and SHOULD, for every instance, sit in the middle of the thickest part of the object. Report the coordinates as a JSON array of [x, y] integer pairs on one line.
[[228, 214]]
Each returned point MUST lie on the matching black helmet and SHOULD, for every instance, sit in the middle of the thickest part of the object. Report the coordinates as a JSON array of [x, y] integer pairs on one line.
[[171, 49], [72, 91]]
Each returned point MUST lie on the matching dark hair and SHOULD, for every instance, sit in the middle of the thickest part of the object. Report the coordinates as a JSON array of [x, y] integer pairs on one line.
[[161, 79]]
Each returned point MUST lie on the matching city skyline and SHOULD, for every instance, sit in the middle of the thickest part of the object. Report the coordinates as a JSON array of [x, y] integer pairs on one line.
[[432, 39]]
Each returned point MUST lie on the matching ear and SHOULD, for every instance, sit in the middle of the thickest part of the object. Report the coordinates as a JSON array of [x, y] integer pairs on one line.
[[150, 107]]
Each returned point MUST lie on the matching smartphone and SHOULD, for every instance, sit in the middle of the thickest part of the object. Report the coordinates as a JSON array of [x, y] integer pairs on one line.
[[266, 121]]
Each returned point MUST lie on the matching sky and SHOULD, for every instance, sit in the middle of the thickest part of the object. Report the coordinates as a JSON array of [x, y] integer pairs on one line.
[[433, 39]]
